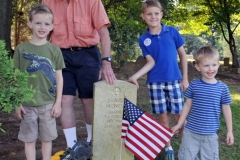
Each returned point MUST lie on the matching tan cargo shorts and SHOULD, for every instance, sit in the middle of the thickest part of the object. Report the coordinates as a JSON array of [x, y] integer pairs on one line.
[[38, 123]]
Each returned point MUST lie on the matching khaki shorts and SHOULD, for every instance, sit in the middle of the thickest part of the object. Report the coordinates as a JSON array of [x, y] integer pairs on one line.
[[192, 143], [38, 123]]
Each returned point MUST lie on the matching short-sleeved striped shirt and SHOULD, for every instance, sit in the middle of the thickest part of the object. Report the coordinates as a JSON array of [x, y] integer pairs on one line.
[[207, 101]]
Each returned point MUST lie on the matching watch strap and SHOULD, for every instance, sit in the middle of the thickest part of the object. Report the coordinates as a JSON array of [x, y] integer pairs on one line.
[[109, 59]]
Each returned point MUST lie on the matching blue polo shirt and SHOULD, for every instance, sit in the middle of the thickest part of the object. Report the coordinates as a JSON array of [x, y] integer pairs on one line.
[[163, 49]]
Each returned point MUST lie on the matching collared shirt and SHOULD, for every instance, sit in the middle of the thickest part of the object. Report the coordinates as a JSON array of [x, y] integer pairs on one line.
[[76, 23], [163, 48]]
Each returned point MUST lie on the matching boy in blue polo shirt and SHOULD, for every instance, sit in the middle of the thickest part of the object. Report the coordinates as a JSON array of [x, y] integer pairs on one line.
[[206, 98], [160, 45]]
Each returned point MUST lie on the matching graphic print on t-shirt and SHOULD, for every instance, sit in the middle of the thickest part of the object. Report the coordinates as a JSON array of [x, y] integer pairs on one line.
[[44, 64]]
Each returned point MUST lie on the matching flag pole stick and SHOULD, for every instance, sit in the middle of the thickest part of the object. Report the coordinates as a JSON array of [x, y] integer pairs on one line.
[[121, 149]]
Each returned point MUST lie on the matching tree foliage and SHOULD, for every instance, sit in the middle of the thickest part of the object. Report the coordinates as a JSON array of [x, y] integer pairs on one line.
[[5, 21], [125, 29], [20, 30], [213, 17], [14, 89], [217, 18]]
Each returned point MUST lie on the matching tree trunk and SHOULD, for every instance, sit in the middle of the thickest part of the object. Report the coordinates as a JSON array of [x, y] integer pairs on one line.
[[233, 49], [5, 22]]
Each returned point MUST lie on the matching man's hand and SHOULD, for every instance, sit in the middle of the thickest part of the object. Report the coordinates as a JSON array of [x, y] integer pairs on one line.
[[107, 72], [20, 111]]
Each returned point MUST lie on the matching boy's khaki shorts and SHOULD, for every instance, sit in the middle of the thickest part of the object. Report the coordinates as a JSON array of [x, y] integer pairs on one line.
[[38, 123]]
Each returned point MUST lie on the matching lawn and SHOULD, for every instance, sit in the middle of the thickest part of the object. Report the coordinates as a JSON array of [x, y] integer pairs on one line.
[[226, 152]]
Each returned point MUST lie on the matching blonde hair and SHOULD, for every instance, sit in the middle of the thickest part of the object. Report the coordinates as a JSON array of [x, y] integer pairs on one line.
[[40, 8], [206, 52], [151, 3]]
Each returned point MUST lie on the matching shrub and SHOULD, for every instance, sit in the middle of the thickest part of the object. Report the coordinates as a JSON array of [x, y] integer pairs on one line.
[[13, 84]]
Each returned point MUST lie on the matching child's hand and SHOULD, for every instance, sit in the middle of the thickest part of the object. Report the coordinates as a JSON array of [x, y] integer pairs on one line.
[[56, 110], [184, 84], [175, 129], [20, 111], [133, 80], [230, 138]]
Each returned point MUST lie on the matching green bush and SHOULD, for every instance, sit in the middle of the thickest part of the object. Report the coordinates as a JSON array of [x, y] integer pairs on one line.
[[13, 84]]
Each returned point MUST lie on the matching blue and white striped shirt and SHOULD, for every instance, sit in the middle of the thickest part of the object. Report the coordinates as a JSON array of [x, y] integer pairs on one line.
[[207, 101]]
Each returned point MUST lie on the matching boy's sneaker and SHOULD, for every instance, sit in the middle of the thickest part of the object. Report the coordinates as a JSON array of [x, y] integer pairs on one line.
[[66, 155], [169, 155]]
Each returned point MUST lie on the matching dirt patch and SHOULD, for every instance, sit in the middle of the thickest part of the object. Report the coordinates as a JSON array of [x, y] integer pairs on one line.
[[13, 149]]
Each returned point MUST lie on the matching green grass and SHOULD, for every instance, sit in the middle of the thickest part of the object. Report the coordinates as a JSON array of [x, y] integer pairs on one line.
[[225, 152]]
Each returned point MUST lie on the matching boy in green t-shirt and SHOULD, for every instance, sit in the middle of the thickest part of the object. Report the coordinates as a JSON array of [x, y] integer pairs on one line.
[[43, 59]]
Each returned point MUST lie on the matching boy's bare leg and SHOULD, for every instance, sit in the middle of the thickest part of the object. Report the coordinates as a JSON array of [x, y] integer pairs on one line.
[[165, 120], [30, 150], [46, 150]]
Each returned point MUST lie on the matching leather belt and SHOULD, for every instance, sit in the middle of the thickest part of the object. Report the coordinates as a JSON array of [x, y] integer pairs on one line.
[[76, 48]]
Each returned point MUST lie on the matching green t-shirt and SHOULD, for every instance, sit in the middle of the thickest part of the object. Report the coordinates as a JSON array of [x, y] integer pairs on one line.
[[42, 61]]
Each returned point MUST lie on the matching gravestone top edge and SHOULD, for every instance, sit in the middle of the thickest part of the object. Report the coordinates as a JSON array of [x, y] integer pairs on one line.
[[115, 83]]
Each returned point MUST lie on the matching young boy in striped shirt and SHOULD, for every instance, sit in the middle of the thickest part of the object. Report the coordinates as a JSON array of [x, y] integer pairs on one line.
[[206, 98]]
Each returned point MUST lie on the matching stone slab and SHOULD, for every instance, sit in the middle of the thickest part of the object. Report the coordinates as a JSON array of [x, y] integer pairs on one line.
[[140, 62], [107, 120]]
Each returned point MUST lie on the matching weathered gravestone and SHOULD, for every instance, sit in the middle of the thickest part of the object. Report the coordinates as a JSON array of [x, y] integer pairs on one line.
[[107, 120], [226, 61], [191, 71], [128, 68], [140, 62]]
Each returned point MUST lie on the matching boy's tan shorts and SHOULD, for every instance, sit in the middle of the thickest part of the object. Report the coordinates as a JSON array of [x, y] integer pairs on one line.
[[38, 123]]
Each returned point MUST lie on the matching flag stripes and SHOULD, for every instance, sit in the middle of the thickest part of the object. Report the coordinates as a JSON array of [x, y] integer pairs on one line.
[[144, 136]]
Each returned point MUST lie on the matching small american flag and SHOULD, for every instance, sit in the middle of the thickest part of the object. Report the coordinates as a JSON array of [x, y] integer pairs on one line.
[[143, 135]]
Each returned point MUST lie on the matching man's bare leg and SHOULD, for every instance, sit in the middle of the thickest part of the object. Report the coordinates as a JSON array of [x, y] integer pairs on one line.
[[68, 120], [88, 111]]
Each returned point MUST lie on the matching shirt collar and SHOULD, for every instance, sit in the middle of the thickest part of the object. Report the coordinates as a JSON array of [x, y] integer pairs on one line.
[[164, 29]]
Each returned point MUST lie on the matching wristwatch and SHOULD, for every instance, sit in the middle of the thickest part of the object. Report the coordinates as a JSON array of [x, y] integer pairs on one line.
[[109, 59]]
